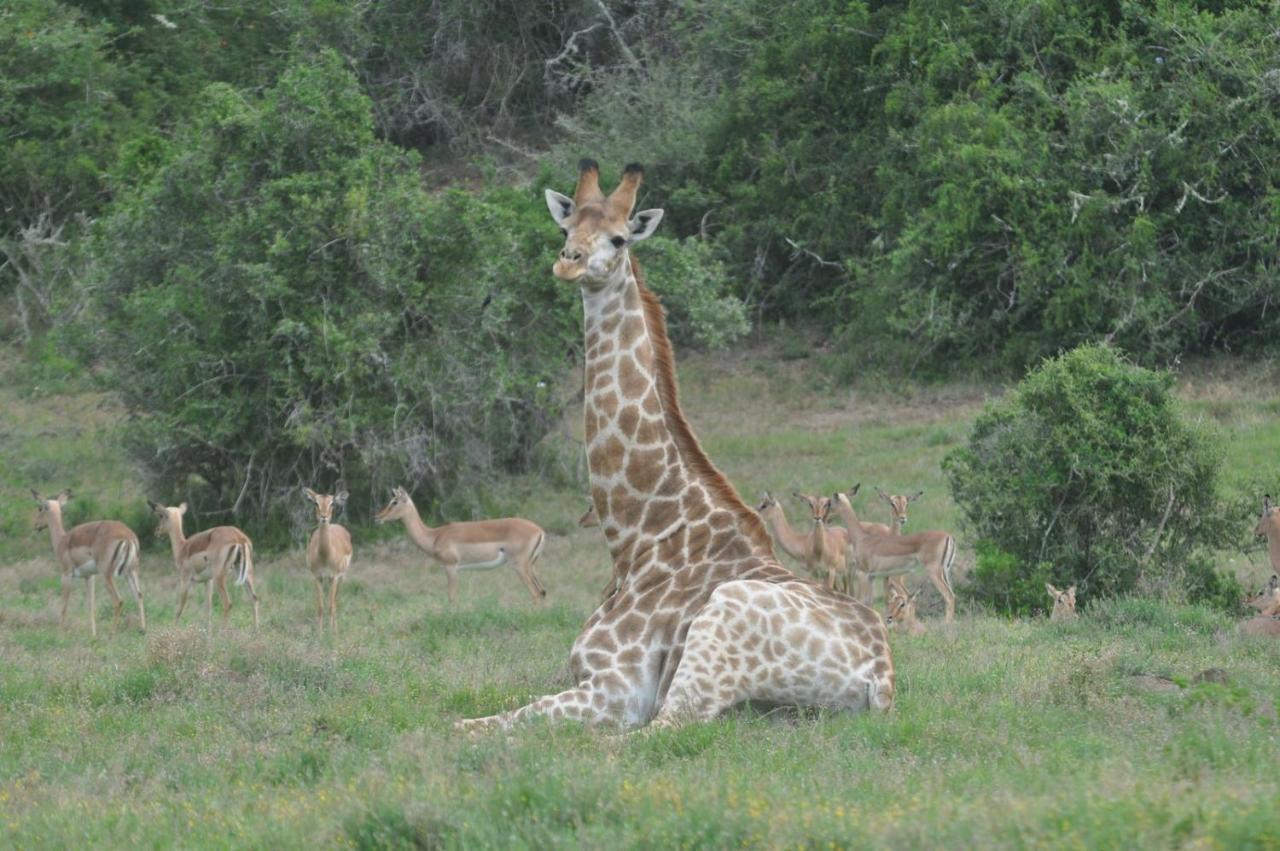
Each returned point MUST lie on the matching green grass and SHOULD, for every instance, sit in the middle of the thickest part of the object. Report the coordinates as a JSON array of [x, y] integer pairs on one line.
[[1005, 733]]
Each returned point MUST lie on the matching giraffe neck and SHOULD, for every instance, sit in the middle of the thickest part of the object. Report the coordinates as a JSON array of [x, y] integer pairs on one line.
[[649, 475]]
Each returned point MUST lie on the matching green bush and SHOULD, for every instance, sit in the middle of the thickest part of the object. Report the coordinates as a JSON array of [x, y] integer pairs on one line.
[[1086, 474]]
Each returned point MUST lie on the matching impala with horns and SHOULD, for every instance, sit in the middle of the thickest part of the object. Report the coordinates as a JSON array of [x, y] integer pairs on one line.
[[472, 545], [209, 556], [894, 555], [105, 547], [328, 553]]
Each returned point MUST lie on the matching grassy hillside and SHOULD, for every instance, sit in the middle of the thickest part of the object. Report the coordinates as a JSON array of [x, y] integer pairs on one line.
[[1005, 734]]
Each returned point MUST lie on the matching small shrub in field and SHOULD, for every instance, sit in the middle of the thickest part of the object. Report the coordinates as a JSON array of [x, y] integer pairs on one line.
[[1087, 467]]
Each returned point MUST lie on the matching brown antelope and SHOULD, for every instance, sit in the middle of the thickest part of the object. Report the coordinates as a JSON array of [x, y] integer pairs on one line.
[[893, 555], [900, 614], [1269, 527], [1267, 602], [472, 545], [209, 556], [328, 553], [105, 547], [1064, 603], [822, 551], [897, 520]]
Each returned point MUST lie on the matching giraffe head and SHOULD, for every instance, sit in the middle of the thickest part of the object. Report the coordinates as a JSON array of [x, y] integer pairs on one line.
[[1269, 522], [819, 507], [597, 228], [167, 517], [46, 506], [1064, 602], [898, 505], [400, 507], [325, 503]]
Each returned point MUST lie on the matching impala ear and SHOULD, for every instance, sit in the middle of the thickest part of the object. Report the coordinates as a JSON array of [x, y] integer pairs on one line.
[[883, 495], [915, 496], [853, 491], [1053, 592], [182, 509], [1266, 503], [916, 593], [561, 206], [36, 497], [309, 494], [64, 496], [341, 498], [156, 508]]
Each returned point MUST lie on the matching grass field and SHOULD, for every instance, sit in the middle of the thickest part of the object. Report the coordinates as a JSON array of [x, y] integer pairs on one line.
[[1005, 734]]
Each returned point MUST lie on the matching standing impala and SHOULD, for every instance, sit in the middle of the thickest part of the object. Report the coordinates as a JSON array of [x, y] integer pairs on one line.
[[822, 550], [1269, 527], [894, 555], [102, 546], [472, 545], [209, 556], [329, 553]]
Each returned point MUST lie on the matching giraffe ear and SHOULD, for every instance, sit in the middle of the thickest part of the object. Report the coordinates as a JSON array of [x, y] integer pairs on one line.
[[561, 206], [644, 223]]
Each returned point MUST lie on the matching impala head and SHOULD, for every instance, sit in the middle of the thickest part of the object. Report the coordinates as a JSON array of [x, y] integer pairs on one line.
[[589, 520], [819, 507], [1064, 602], [46, 506], [902, 607], [597, 228], [1267, 597], [768, 502], [400, 506], [167, 517], [898, 505], [325, 503], [1270, 519]]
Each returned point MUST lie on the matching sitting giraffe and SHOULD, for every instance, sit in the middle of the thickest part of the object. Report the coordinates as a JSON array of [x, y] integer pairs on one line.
[[704, 616]]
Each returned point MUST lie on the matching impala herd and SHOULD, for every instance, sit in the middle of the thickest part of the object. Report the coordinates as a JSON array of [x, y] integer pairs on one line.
[[838, 556]]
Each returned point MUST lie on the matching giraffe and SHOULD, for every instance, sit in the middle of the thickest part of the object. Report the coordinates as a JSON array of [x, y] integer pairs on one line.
[[703, 615]]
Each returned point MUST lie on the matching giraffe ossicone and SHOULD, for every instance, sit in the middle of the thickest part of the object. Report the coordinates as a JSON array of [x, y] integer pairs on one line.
[[703, 616]]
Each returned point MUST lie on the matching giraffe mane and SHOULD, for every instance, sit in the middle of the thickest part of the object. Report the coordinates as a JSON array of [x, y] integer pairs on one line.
[[686, 441]]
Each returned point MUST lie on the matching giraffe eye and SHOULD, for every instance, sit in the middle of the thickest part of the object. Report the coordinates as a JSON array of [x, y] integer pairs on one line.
[[619, 241]]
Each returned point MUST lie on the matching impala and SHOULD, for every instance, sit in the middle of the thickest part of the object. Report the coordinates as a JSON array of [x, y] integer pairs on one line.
[[1269, 527], [897, 510], [1267, 602], [328, 553], [472, 545], [1267, 597], [104, 547], [894, 555], [822, 551], [1064, 603], [900, 614], [209, 556]]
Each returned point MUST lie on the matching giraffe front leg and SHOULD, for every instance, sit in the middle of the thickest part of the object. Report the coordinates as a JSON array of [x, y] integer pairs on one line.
[[590, 703]]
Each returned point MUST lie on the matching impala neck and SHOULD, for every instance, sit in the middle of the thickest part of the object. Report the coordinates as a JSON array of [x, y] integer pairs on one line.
[[421, 534], [176, 539], [647, 468], [849, 516], [792, 542], [57, 534], [322, 545]]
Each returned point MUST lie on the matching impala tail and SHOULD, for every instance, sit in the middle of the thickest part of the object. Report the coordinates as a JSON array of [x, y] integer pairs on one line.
[[947, 559], [242, 561], [125, 554]]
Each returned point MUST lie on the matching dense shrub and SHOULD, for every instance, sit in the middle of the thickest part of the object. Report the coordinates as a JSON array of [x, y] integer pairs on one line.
[[1086, 472]]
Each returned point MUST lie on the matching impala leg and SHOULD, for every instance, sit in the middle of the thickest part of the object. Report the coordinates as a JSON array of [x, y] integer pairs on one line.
[[187, 582], [253, 595], [209, 604], [320, 603], [135, 586], [333, 603], [226, 599], [93, 608], [117, 602], [948, 596], [67, 584], [451, 575], [525, 570]]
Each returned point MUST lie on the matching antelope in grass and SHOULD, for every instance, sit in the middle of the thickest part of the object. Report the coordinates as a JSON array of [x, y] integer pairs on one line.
[[328, 553], [1268, 596], [822, 550], [1064, 603], [893, 555], [105, 547], [472, 545], [1269, 527], [900, 614], [209, 556], [1267, 602]]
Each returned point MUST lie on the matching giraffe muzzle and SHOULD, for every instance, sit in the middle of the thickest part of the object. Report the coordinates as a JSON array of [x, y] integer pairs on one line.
[[569, 270]]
